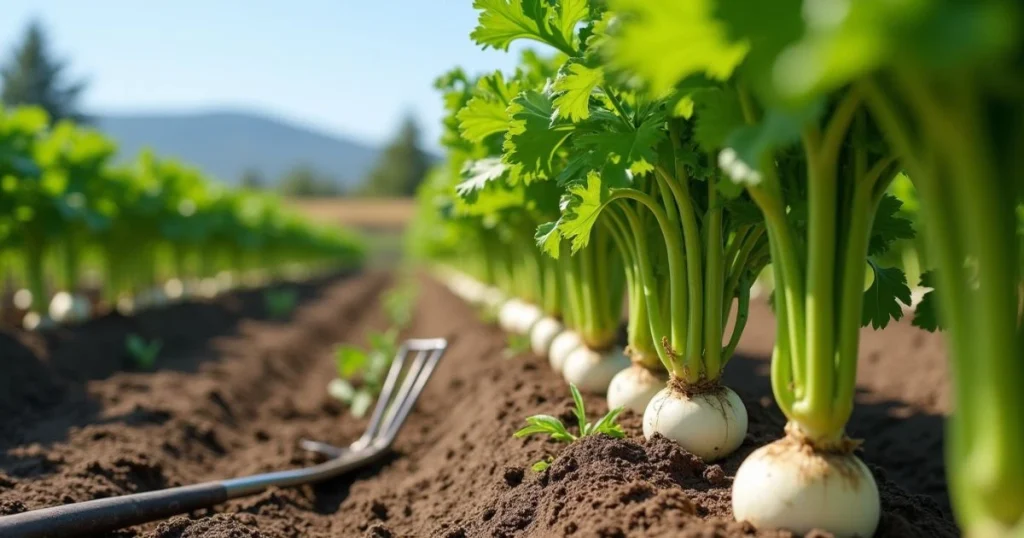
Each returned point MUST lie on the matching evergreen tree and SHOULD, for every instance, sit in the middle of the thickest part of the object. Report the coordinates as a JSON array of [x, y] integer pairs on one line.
[[402, 166], [305, 182], [33, 77], [252, 179]]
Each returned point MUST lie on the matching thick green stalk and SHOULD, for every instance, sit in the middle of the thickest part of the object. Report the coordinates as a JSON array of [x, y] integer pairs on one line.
[[788, 281], [638, 329], [958, 183], [694, 311], [864, 205], [651, 293], [714, 284], [673, 241], [788, 277], [552, 288], [814, 409], [783, 378]]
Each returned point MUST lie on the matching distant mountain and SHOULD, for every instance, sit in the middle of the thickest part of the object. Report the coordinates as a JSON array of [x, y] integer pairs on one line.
[[225, 144]]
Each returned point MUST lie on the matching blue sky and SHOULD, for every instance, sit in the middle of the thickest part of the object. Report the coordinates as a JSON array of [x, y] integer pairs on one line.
[[349, 67]]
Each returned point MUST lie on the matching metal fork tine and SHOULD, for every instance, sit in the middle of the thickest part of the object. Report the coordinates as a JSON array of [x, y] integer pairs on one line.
[[405, 405], [404, 390], [384, 398]]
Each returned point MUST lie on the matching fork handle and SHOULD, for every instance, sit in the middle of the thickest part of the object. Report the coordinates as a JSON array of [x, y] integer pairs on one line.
[[104, 515]]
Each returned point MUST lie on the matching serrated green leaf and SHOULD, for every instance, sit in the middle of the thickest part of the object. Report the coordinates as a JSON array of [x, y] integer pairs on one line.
[[572, 91], [585, 202], [926, 314], [882, 300], [481, 118], [718, 116], [888, 226], [531, 141], [503, 21], [620, 147], [478, 175], [666, 41], [548, 238]]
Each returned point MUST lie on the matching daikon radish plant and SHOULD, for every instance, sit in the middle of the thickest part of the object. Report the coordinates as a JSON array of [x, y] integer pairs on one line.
[[691, 240], [512, 197], [944, 81], [818, 171]]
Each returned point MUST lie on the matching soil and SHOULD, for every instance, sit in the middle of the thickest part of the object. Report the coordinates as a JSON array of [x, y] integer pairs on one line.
[[234, 393]]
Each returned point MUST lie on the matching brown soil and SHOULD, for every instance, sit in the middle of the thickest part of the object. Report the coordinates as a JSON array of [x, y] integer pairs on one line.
[[235, 395]]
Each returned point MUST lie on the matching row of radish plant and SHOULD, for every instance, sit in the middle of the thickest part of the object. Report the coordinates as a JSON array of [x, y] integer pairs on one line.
[[72, 220], [668, 152]]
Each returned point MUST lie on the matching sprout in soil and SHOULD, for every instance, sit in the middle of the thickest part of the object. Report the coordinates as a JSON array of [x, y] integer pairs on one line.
[[143, 353], [361, 373], [280, 302], [553, 427]]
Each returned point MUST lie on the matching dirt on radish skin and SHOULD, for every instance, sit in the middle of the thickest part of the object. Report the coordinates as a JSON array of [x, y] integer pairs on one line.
[[457, 471]]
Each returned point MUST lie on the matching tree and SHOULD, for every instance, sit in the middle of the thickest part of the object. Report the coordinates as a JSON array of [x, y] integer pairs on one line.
[[305, 182], [253, 180], [402, 166], [33, 77]]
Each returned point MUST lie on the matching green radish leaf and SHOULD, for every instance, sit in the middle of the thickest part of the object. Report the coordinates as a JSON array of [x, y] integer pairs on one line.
[[478, 175], [608, 426], [669, 40], [889, 226], [573, 89], [481, 118], [542, 465], [548, 238], [503, 21], [617, 144], [581, 209], [546, 424], [581, 413], [718, 116], [532, 140], [882, 300], [926, 315]]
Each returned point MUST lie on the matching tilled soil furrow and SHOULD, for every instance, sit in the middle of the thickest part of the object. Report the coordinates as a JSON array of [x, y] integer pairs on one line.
[[240, 413], [456, 470]]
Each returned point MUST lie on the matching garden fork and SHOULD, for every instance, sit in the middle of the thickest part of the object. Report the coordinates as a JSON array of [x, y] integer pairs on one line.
[[402, 387]]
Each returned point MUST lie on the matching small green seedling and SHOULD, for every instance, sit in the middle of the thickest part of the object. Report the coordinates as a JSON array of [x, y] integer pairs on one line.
[[368, 368], [399, 302], [280, 302], [143, 353], [547, 424]]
